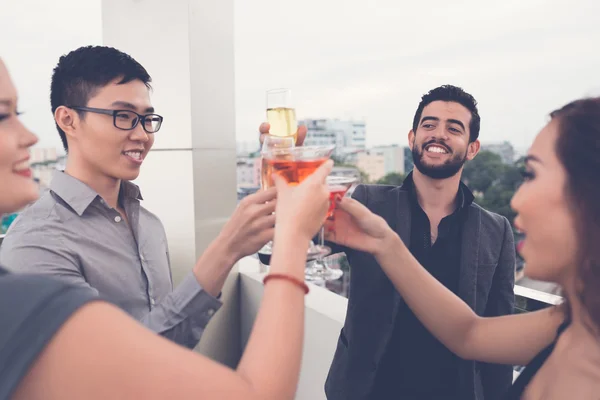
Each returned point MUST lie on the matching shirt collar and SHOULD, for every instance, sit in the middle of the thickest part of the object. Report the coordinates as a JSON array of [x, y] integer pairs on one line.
[[465, 196], [80, 196]]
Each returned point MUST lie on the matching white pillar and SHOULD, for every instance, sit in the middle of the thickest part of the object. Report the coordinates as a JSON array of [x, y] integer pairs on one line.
[[189, 177]]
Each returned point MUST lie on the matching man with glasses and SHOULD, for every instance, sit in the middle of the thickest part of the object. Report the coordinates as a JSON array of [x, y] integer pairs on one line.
[[90, 229]]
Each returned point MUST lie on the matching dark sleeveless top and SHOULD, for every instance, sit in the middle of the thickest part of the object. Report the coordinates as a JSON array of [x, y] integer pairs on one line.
[[517, 389]]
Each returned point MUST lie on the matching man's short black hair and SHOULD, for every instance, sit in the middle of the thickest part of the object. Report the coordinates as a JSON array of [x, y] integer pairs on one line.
[[454, 94], [80, 74]]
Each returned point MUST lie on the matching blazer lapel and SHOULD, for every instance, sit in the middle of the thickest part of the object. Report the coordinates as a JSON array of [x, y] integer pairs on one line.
[[402, 228], [469, 258], [467, 288]]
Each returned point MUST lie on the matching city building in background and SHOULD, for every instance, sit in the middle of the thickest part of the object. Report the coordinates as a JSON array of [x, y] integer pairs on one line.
[[393, 158], [243, 191], [248, 149], [408, 160], [378, 161], [346, 135], [43, 163], [42, 154], [350, 172], [248, 171], [359, 135], [352, 156], [370, 162], [349, 139]]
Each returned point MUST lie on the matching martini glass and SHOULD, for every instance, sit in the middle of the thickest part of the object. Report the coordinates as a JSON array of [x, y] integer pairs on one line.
[[271, 143], [319, 271], [294, 165]]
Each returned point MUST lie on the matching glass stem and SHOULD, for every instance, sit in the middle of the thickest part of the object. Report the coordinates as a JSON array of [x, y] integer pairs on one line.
[[319, 261], [322, 236]]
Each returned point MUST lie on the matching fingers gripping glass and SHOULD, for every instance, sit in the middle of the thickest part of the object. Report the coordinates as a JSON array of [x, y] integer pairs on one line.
[[126, 119]]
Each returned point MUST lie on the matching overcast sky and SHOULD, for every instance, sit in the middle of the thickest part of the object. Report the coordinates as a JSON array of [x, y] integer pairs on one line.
[[356, 58]]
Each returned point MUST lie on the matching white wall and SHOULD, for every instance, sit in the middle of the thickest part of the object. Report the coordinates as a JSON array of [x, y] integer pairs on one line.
[[189, 178], [33, 35], [324, 318], [187, 46]]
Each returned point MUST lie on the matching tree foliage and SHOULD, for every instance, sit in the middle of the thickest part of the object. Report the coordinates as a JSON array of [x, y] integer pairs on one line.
[[393, 178], [482, 172], [494, 182]]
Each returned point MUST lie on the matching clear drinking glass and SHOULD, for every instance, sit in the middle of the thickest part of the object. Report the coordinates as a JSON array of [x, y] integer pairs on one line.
[[319, 271], [282, 134], [294, 165], [271, 143], [281, 115]]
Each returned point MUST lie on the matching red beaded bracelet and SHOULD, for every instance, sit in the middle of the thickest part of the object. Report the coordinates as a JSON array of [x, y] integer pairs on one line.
[[288, 278]]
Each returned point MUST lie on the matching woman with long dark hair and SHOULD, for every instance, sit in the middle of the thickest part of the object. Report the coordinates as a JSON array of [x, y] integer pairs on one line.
[[558, 209]]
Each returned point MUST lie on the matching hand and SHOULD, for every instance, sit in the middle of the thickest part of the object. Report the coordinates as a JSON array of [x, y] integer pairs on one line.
[[354, 225], [249, 228], [264, 130], [302, 209], [252, 224]]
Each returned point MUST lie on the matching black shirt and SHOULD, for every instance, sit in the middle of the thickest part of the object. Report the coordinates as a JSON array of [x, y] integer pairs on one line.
[[518, 387], [32, 309], [416, 365]]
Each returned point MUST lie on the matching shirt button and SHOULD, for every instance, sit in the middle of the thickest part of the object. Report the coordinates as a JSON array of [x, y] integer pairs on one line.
[[210, 312], [143, 258], [152, 300], [117, 219]]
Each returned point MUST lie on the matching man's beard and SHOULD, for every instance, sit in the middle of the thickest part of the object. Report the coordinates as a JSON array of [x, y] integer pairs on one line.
[[446, 170]]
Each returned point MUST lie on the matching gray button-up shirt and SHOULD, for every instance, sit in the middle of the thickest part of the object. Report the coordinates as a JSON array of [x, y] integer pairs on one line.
[[71, 233]]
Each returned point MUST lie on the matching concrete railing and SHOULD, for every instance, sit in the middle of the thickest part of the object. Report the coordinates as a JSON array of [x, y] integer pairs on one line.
[[529, 299], [537, 295], [324, 317]]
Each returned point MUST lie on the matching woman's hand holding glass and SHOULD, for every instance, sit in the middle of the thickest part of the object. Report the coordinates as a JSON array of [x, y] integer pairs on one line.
[[354, 225], [301, 208]]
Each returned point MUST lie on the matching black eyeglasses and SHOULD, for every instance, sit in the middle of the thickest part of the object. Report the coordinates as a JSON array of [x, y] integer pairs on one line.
[[127, 119]]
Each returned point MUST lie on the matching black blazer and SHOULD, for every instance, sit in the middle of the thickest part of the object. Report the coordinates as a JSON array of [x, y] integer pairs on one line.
[[486, 284]]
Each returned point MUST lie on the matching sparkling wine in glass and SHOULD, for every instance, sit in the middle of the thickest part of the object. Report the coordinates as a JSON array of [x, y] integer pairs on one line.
[[281, 115], [319, 271]]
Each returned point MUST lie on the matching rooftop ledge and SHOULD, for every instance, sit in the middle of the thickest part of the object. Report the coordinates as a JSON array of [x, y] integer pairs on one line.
[[324, 318]]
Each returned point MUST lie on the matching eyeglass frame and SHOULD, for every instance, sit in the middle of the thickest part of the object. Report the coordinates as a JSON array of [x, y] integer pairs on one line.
[[114, 113]]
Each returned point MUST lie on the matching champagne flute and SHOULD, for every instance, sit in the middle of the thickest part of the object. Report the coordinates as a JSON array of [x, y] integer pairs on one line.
[[281, 115], [283, 133], [319, 271]]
